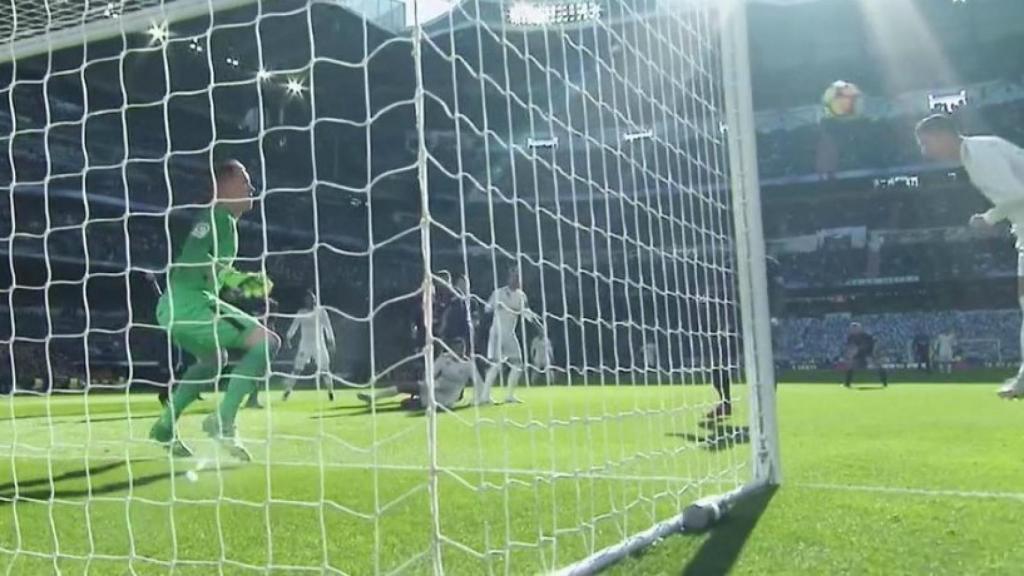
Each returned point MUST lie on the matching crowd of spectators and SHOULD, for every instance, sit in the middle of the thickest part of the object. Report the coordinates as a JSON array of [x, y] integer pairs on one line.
[[873, 142], [57, 348], [831, 147], [821, 341], [921, 262], [796, 215]]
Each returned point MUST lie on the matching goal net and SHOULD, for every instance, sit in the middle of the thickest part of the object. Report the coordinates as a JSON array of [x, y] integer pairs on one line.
[[980, 351], [517, 266]]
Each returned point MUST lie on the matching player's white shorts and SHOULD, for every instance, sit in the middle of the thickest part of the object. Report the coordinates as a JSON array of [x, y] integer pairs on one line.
[[305, 356], [945, 356], [1020, 260], [504, 347]]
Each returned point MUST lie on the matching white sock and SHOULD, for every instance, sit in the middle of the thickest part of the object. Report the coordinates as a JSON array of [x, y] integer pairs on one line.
[[485, 390], [289, 385], [513, 381]]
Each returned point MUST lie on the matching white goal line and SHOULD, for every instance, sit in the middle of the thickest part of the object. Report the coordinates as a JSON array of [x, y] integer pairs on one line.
[[900, 490], [225, 465]]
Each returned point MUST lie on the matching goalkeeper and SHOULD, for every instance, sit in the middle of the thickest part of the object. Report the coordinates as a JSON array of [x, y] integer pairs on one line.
[[207, 327]]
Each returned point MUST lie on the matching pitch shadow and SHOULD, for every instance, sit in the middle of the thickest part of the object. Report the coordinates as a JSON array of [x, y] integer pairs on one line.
[[71, 475], [343, 411], [123, 417], [14, 491], [458, 408], [723, 546], [388, 408], [718, 436], [66, 493]]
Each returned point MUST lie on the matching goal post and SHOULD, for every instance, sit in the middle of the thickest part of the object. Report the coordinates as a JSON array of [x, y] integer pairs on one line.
[[751, 269], [566, 188]]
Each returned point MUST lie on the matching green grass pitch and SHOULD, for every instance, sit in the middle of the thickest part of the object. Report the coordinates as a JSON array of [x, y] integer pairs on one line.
[[914, 479]]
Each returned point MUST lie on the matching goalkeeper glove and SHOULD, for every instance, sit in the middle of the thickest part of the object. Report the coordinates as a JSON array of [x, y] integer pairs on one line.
[[256, 286], [244, 285]]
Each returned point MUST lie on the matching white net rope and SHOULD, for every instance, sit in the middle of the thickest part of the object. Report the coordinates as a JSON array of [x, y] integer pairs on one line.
[[401, 177], [20, 20]]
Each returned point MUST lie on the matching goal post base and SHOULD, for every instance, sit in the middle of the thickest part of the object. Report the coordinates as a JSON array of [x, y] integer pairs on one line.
[[697, 517]]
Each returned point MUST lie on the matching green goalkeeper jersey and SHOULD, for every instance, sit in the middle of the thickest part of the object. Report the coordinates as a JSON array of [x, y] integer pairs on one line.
[[204, 264]]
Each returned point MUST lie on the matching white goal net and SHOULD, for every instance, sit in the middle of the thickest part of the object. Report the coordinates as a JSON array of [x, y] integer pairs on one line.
[[513, 251]]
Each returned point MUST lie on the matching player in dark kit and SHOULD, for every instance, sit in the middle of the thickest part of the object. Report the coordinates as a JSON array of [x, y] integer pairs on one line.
[[923, 352], [860, 354], [454, 316]]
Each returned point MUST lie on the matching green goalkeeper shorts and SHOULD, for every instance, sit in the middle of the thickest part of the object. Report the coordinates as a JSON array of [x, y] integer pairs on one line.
[[202, 324]]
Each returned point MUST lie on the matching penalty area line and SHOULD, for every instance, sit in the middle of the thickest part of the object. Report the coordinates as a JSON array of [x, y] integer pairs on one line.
[[971, 494]]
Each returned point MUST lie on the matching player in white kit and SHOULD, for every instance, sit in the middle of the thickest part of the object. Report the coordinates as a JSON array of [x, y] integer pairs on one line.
[[650, 355], [540, 353], [944, 345], [996, 168], [316, 340], [453, 370], [508, 303]]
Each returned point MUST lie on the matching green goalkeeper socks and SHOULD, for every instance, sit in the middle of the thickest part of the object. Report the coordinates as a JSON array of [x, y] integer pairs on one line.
[[189, 386], [250, 371]]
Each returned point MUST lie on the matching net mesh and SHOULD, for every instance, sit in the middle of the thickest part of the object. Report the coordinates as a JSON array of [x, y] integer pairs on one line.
[[408, 182], [20, 20]]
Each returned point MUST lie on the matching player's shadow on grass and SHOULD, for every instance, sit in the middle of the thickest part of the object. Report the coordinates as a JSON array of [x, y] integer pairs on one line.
[[387, 408], [123, 417], [27, 489], [718, 436], [70, 475], [199, 411], [352, 410], [726, 540]]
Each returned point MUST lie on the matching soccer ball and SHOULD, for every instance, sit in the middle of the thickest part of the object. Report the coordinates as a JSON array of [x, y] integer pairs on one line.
[[842, 100]]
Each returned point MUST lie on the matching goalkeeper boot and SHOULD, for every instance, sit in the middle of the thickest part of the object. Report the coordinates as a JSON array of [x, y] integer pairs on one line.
[[368, 398], [287, 393], [164, 435], [226, 437], [1012, 388], [330, 395]]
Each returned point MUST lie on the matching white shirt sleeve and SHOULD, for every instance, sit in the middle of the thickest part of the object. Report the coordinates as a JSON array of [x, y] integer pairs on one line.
[[293, 328], [325, 325], [996, 168], [528, 314]]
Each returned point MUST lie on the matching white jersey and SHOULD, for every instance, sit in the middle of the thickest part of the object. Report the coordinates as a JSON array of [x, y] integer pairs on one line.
[[944, 346], [540, 352], [314, 328], [508, 306], [650, 354], [451, 375], [996, 168]]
